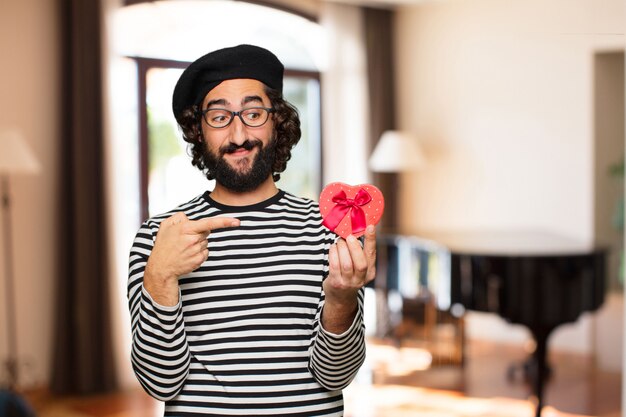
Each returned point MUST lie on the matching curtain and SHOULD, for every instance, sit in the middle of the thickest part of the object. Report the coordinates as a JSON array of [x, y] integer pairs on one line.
[[379, 54], [83, 360], [344, 95]]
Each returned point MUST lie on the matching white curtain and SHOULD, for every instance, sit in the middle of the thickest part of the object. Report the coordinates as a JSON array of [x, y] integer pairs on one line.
[[121, 155], [344, 96]]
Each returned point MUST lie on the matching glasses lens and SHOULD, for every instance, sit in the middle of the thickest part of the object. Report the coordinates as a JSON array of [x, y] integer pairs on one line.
[[252, 117], [218, 117], [255, 116]]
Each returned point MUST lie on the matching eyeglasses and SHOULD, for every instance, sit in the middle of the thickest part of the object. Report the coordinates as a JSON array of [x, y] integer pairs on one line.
[[251, 117]]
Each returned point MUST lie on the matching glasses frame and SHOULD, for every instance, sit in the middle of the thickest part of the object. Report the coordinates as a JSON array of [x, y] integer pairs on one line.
[[270, 110]]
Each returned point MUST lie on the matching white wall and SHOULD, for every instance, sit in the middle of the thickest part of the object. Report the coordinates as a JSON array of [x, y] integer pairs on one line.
[[500, 94], [30, 102]]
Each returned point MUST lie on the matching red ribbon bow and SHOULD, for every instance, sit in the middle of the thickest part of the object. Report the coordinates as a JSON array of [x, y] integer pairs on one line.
[[343, 205]]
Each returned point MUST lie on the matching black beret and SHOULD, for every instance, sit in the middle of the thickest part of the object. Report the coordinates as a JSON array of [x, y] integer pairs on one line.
[[242, 61]]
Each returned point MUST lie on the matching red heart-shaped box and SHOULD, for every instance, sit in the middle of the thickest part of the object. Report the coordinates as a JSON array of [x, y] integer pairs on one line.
[[373, 209]]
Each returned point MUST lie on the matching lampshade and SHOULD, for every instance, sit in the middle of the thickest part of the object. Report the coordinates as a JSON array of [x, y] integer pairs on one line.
[[395, 152], [15, 154]]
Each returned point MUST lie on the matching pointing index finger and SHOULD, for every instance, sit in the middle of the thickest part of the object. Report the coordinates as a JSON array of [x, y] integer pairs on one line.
[[211, 223]]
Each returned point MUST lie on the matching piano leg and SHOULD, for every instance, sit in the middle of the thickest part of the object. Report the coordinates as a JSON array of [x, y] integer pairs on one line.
[[540, 372]]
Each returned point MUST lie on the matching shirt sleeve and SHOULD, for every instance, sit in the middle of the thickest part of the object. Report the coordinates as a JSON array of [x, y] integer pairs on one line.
[[160, 354], [336, 358]]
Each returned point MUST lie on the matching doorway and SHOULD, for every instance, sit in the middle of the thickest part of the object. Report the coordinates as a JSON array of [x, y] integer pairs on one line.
[[609, 201]]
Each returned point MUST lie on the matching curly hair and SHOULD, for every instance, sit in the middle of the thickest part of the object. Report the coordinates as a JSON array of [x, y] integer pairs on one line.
[[286, 134]]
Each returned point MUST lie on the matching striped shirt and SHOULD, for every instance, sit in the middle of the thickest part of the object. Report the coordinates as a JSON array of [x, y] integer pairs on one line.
[[245, 338]]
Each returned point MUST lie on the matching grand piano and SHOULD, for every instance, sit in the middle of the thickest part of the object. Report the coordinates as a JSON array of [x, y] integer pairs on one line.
[[538, 280]]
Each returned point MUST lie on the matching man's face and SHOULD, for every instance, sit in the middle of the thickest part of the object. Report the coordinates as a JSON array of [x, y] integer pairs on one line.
[[240, 156]]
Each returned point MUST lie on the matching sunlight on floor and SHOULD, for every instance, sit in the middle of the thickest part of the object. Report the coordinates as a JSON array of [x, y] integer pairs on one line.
[[402, 401], [398, 362]]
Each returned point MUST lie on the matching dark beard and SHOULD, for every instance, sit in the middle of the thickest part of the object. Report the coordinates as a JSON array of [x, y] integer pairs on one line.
[[240, 182]]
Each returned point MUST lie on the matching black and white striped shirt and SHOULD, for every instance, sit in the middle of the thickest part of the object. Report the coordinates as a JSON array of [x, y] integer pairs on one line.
[[245, 338]]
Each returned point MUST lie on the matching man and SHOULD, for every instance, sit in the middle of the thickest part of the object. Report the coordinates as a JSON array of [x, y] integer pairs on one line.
[[241, 302]]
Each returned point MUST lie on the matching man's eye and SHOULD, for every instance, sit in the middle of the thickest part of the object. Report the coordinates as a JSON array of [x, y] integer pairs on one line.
[[219, 117], [253, 115]]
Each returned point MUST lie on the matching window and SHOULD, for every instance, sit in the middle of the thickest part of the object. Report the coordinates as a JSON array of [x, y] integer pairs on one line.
[[169, 179]]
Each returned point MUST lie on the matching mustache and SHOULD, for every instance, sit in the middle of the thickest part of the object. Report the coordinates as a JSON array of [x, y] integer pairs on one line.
[[247, 145]]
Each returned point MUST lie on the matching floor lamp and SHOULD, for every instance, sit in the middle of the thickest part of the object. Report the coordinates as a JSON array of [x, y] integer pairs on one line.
[[15, 158]]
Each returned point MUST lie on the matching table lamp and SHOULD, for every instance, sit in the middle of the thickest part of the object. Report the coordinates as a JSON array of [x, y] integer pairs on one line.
[[395, 152]]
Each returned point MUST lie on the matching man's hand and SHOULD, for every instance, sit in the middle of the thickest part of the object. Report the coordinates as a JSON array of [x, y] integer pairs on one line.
[[351, 267], [181, 246]]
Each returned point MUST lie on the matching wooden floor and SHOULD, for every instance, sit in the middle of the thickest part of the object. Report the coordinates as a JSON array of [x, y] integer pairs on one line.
[[575, 387], [393, 384]]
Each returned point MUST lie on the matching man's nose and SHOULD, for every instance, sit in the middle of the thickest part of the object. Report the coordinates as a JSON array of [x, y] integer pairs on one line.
[[238, 129]]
